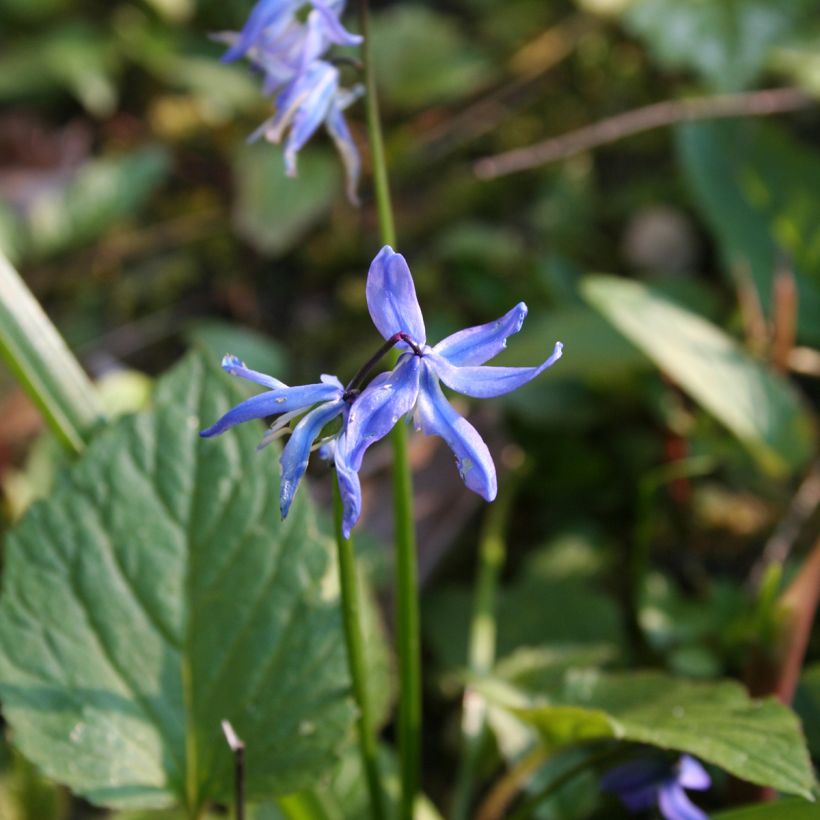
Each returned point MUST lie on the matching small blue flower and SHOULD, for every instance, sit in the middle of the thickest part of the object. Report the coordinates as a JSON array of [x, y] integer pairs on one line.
[[314, 97], [289, 54], [318, 404], [458, 361], [641, 784]]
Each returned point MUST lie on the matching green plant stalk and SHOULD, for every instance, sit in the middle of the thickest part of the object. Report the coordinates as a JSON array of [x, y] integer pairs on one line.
[[492, 554], [40, 360], [351, 616], [407, 604]]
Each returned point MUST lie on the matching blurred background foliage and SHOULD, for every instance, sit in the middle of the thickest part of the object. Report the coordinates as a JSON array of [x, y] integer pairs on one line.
[[677, 436]]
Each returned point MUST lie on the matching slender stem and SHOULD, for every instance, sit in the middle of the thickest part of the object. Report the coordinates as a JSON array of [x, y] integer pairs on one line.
[[407, 605], [237, 748], [363, 372], [351, 615], [378, 161], [492, 554]]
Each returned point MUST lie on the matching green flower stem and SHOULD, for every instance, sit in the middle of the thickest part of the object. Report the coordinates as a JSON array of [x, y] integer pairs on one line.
[[407, 604], [38, 357], [351, 614], [491, 557]]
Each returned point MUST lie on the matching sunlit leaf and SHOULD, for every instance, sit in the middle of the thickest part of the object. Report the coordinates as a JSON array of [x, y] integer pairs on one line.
[[156, 593], [757, 405], [756, 740]]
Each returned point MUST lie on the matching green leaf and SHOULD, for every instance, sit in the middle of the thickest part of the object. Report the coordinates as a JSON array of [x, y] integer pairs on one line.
[[422, 57], [726, 42], [779, 810], [102, 193], [157, 593], [760, 407], [37, 355], [272, 211], [755, 186], [755, 740]]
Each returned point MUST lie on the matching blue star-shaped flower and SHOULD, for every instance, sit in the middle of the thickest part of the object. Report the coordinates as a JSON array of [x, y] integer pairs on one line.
[[643, 783], [458, 361], [318, 404]]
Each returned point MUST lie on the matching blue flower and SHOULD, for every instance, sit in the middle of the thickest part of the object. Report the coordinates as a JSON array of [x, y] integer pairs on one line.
[[641, 784], [317, 404], [413, 385], [314, 97], [289, 53]]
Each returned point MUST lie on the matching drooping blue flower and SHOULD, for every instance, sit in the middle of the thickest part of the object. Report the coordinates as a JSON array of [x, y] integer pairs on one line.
[[646, 782], [458, 361], [317, 404], [311, 98], [289, 52]]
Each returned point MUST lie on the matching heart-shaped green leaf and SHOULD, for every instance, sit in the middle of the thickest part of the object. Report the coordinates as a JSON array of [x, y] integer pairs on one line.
[[157, 593]]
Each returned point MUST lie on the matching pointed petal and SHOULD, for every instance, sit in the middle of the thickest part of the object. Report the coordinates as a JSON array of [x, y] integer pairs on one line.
[[437, 417], [325, 378], [484, 382], [691, 775], [236, 367], [391, 296], [350, 487], [477, 345], [312, 110], [338, 130], [264, 14], [675, 805], [332, 27], [271, 403], [375, 412], [278, 429], [294, 458]]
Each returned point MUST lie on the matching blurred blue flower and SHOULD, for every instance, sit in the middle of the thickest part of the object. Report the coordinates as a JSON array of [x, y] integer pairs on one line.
[[310, 99], [414, 384], [641, 784], [317, 404], [288, 51]]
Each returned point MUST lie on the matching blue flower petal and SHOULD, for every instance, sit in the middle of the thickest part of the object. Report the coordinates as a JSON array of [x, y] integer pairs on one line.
[[332, 27], [636, 782], [272, 403], [350, 487], [437, 417], [264, 14], [691, 775], [484, 382], [377, 410], [236, 367], [391, 297], [675, 805], [338, 130], [294, 458], [476, 345]]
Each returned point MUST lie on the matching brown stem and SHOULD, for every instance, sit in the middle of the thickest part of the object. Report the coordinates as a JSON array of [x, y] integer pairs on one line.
[[749, 104], [238, 748]]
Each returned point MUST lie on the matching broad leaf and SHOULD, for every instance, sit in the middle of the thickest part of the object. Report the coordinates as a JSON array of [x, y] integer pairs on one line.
[[755, 186], [757, 405], [156, 593], [726, 43], [792, 809], [272, 211], [717, 722]]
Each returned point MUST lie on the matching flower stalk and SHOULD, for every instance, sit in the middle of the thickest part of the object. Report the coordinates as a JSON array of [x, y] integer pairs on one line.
[[351, 616], [407, 604]]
